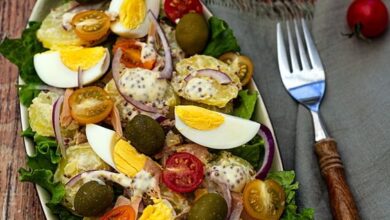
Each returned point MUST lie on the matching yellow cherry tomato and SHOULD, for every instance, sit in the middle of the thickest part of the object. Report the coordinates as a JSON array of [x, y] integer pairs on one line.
[[91, 25], [90, 105], [264, 200], [245, 63]]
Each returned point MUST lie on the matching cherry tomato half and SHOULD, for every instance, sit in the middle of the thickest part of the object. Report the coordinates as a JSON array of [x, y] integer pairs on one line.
[[131, 57], [264, 199], [183, 172], [124, 212], [91, 25], [90, 105], [175, 9], [245, 63], [368, 17]]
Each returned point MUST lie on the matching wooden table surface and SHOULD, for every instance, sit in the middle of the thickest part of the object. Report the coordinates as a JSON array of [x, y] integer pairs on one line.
[[17, 200]]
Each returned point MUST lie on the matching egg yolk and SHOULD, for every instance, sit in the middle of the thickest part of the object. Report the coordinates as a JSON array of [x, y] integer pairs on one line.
[[158, 211], [79, 57], [132, 13], [199, 118], [126, 158]]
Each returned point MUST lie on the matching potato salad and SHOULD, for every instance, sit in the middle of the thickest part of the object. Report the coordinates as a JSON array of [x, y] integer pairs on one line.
[[142, 109]]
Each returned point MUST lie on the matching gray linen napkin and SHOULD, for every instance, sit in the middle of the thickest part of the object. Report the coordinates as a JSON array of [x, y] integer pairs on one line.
[[356, 108]]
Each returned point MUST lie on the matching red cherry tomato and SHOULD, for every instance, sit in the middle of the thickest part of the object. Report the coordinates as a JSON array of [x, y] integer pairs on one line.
[[175, 9], [183, 172], [368, 17]]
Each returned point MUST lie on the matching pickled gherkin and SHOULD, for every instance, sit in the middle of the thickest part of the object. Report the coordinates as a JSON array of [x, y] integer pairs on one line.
[[93, 199], [211, 206], [145, 134]]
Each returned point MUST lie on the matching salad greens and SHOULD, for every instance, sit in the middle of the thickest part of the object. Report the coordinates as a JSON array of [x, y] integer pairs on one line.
[[286, 180], [27, 93], [41, 168], [222, 38], [44, 178], [21, 52], [253, 151], [43, 164], [46, 156], [245, 105]]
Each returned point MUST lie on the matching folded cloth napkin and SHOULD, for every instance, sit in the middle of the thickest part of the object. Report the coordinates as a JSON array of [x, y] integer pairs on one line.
[[356, 108]]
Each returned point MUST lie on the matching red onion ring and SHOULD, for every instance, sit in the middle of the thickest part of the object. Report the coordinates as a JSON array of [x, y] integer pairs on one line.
[[166, 73], [160, 118], [224, 190], [237, 206], [55, 117], [73, 6], [269, 151], [221, 77], [74, 180], [79, 75], [116, 76]]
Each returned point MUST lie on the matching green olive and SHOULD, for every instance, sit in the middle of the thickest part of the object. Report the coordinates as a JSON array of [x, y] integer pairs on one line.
[[145, 134], [192, 33], [211, 206], [93, 199]]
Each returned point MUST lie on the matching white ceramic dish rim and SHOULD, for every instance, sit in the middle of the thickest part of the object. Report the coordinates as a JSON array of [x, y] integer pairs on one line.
[[39, 11]]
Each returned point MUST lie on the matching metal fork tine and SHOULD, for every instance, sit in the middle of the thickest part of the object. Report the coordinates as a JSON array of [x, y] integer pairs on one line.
[[293, 54], [282, 54], [301, 48], [311, 48]]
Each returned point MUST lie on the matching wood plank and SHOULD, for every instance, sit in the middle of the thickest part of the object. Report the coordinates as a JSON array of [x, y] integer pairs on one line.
[[18, 200]]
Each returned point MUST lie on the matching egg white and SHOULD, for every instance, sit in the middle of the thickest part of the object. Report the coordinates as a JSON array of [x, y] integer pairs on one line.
[[142, 30], [233, 132], [102, 141], [53, 72]]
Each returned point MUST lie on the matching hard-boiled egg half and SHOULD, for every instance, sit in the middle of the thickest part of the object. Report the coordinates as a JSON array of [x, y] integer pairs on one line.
[[115, 151], [59, 68], [213, 129], [131, 16]]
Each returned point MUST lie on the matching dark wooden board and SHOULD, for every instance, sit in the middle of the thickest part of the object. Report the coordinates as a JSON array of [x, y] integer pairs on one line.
[[17, 200]]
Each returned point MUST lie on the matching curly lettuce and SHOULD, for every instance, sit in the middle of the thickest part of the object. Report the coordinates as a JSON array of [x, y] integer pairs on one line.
[[222, 38], [21, 51], [291, 212], [42, 165], [40, 170]]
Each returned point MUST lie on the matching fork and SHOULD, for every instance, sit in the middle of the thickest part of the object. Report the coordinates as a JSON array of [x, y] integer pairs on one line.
[[304, 79]]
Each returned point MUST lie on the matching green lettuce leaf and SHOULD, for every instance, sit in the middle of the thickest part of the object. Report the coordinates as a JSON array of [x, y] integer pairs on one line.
[[42, 165], [29, 133], [21, 52], [253, 152], [46, 155], [286, 180], [222, 38], [27, 93], [44, 178], [63, 213], [245, 104]]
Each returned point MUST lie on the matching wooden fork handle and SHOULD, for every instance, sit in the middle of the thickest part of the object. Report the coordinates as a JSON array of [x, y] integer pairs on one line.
[[340, 197]]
